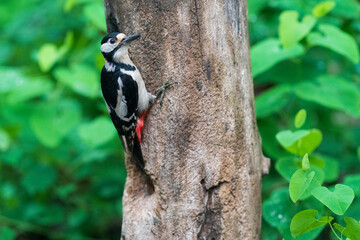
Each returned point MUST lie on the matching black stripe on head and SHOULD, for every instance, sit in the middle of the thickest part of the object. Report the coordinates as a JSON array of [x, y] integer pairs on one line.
[[110, 35]]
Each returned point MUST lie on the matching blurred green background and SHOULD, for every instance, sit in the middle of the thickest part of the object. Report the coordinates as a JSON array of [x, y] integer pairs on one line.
[[61, 164], [62, 169]]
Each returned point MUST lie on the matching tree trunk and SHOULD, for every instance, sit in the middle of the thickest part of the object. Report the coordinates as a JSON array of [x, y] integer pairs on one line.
[[202, 148]]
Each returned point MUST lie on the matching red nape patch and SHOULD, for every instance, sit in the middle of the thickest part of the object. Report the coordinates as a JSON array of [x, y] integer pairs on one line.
[[139, 128]]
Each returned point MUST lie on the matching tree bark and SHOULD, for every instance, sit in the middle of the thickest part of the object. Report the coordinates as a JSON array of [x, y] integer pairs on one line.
[[202, 148]]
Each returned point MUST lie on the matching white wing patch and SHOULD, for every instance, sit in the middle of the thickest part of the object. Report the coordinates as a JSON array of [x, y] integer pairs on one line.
[[120, 82], [123, 111]]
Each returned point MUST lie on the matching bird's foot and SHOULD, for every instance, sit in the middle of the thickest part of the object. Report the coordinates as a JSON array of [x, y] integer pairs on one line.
[[161, 90]]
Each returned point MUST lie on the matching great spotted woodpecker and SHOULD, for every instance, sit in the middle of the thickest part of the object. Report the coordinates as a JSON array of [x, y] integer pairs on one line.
[[125, 94], [126, 97]]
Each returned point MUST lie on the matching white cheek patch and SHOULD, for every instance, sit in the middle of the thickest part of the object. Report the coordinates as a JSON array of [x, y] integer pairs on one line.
[[107, 47]]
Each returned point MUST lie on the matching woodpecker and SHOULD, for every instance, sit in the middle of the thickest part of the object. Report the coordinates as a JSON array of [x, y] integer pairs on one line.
[[124, 91]]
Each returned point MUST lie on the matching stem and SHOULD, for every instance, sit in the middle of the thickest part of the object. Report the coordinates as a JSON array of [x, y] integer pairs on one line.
[[332, 229]]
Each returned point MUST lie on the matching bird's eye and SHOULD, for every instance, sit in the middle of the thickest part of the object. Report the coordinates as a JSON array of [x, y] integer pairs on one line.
[[112, 41]]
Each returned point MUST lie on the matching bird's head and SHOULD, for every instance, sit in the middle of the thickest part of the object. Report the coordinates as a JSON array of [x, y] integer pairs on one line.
[[114, 46]]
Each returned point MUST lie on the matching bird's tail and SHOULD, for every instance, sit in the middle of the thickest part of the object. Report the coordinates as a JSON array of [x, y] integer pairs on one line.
[[131, 144], [137, 154]]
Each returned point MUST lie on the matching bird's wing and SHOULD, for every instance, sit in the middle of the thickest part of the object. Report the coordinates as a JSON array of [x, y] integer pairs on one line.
[[121, 96], [126, 109], [110, 88]]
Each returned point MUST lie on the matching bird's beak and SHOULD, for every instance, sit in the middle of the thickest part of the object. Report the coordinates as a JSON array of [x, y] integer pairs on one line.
[[130, 38]]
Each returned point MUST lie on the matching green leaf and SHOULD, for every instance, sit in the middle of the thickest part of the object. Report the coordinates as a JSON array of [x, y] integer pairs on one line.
[[275, 209], [80, 78], [348, 9], [38, 178], [5, 141], [278, 211], [255, 6], [268, 232], [52, 123], [306, 221], [48, 56], [272, 100], [11, 78], [299, 182], [30, 89], [8, 191], [317, 161], [337, 201], [344, 95], [77, 217], [97, 132], [95, 13], [308, 143], [287, 138], [69, 5], [289, 165], [339, 227], [316, 182], [268, 132], [353, 181], [352, 230], [305, 164], [64, 191], [291, 31], [6, 49], [7, 233], [69, 40], [300, 118], [331, 166], [300, 142], [285, 4], [335, 39], [266, 54], [56, 217], [323, 8]]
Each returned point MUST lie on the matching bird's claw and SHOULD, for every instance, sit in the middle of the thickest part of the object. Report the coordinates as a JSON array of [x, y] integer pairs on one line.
[[161, 90]]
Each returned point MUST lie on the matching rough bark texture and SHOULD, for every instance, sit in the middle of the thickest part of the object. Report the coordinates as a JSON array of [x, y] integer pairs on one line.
[[202, 148]]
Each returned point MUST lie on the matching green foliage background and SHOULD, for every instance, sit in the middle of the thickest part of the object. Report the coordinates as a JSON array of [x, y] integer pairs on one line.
[[61, 164], [306, 56], [62, 169]]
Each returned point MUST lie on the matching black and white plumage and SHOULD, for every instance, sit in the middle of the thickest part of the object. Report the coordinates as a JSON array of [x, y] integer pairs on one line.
[[124, 91]]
